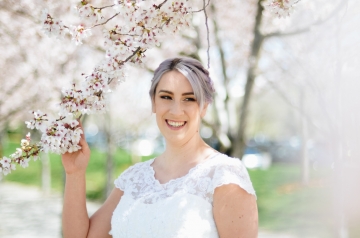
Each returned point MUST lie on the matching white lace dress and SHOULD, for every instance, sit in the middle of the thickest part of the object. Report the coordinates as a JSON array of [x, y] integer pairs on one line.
[[179, 208]]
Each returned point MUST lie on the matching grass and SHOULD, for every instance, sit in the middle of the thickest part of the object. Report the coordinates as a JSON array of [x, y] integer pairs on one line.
[[95, 174], [284, 204]]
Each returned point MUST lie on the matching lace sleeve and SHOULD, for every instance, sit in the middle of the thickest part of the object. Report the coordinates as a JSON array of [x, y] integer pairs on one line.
[[121, 181], [232, 171]]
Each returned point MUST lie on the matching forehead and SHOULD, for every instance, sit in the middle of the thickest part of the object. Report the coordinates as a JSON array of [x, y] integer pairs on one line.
[[174, 81]]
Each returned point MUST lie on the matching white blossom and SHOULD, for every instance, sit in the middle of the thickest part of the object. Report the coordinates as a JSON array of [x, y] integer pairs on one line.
[[51, 26], [5, 162], [141, 25], [281, 8], [24, 163], [24, 142], [89, 13], [39, 122], [28, 136], [6, 166], [78, 33]]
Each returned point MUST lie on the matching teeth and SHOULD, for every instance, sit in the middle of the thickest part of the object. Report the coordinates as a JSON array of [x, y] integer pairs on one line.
[[176, 124]]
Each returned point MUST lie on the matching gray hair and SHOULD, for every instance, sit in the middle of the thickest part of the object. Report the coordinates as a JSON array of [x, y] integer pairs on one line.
[[194, 71]]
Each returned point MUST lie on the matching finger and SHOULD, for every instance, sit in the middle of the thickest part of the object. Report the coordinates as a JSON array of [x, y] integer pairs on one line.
[[82, 128], [83, 143]]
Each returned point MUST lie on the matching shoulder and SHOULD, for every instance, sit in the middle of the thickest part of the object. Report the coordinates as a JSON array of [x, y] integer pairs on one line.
[[131, 173], [223, 159], [137, 166], [223, 162], [229, 170]]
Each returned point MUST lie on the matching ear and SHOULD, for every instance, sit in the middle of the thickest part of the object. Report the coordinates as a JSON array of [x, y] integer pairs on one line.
[[204, 109]]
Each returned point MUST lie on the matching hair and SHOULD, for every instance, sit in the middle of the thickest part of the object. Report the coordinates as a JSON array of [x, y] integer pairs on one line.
[[194, 71]]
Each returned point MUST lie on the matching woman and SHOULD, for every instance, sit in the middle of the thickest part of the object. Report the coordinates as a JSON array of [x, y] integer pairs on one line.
[[190, 190]]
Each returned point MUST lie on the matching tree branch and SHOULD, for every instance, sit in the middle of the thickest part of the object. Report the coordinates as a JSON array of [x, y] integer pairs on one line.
[[161, 4], [103, 23], [202, 9], [134, 53], [126, 60], [337, 9], [223, 64], [207, 34], [101, 8]]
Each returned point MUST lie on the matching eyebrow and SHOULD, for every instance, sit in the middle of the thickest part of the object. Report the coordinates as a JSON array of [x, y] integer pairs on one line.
[[171, 93]]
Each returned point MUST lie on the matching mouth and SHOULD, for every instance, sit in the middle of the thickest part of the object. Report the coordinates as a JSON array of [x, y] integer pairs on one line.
[[175, 124]]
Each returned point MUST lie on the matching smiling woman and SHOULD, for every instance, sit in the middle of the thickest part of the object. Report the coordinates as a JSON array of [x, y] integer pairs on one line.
[[190, 190], [176, 108]]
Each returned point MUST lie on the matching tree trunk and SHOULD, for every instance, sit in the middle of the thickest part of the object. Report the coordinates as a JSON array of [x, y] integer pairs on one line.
[[225, 147], [45, 174], [2, 133], [240, 139], [304, 138]]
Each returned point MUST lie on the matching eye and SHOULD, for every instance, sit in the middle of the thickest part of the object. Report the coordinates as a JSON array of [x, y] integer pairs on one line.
[[190, 99], [165, 97]]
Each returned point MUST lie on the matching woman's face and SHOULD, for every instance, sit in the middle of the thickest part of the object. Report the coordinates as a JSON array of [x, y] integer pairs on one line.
[[177, 112]]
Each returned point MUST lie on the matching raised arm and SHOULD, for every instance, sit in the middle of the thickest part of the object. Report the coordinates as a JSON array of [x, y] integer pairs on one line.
[[75, 219], [235, 212]]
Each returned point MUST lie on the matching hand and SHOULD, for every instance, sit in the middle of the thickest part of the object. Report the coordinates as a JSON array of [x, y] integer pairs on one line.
[[76, 162]]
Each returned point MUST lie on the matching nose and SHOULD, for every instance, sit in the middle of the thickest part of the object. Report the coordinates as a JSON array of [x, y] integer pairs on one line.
[[176, 108]]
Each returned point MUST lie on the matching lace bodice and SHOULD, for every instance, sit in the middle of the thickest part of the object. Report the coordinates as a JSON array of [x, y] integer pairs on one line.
[[181, 207]]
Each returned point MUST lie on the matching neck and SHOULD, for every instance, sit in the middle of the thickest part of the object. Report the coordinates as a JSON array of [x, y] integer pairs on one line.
[[190, 152]]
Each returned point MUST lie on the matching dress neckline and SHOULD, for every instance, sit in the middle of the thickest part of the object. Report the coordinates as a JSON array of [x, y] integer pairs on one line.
[[164, 185]]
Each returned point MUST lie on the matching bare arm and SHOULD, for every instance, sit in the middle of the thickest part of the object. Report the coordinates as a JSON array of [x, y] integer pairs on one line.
[[75, 219], [76, 222], [100, 222], [235, 212]]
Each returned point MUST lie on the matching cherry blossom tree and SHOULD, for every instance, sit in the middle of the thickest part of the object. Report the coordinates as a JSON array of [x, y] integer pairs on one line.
[[239, 38], [140, 26], [126, 43]]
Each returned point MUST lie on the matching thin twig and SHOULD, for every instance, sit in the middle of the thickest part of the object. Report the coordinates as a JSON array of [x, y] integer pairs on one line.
[[207, 36], [101, 8], [202, 9], [160, 5], [105, 21], [126, 60], [124, 34], [134, 53]]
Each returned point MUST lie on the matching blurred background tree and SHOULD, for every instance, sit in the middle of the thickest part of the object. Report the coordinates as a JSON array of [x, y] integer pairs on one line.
[[286, 88]]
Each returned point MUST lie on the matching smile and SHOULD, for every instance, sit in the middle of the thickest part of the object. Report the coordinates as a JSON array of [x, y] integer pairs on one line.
[[176, 124]]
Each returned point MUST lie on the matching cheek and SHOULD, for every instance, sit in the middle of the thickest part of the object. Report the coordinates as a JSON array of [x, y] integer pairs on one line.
[[195, 115], [159, 108]]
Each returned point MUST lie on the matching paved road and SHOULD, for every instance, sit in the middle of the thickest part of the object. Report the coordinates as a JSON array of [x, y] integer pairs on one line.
[[26, 213]]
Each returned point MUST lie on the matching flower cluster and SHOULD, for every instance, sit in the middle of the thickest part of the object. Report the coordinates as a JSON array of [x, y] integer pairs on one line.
[[281, 8], [58, 135], [87, 11], [21, 156], [51, 26], [141, 26]]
